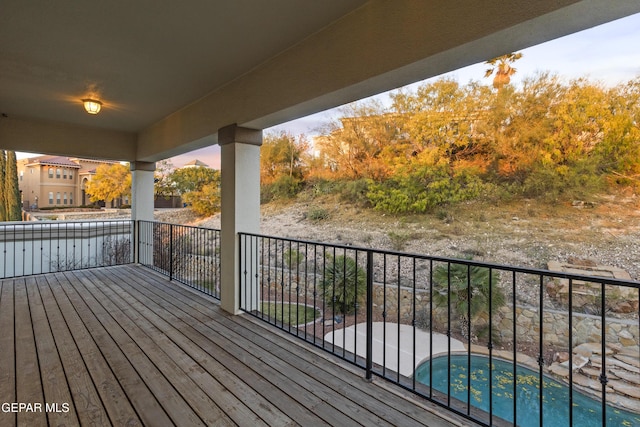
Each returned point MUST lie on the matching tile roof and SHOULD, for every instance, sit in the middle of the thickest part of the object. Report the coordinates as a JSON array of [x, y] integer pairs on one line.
[[53, 160]]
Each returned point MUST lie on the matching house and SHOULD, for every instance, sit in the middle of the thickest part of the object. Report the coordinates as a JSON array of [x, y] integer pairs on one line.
[[55, 181], [195, 164]]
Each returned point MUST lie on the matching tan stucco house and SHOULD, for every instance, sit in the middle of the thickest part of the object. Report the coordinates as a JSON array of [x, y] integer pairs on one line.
[[48, 181]]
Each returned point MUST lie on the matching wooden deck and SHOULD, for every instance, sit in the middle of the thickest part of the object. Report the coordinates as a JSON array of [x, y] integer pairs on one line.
[[124, 346]]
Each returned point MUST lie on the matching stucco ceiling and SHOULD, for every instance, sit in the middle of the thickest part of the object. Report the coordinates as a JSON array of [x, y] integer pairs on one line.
[[171, 73], [143, 59]]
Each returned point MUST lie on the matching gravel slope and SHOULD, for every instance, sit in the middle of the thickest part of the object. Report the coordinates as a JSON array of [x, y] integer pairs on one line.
[[522, 234]]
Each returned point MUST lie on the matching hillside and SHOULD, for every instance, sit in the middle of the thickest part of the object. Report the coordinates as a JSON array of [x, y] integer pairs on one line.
[[526, 233]]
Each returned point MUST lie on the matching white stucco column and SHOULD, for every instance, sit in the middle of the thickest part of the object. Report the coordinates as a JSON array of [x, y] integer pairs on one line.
[[142, 196], [240, 204]]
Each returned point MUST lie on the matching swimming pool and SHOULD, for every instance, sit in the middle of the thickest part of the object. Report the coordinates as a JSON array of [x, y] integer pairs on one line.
[[587, 412]]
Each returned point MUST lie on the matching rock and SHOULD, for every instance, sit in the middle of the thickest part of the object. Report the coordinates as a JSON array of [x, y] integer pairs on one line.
[[631, 390], [590, 348], [626, 339], [591, 372], [626, 375], [587, 382], [623, 402], [578, 362], [632, 351], [582, 351], [633, 361], [626, 307], [583, 262], [562, 356], [560, 370]]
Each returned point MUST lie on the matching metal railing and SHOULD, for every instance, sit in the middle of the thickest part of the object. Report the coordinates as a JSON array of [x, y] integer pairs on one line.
[[190, 255], [28, 248], [432, 325]]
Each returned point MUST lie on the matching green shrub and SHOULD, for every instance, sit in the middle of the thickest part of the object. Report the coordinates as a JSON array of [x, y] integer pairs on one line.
[[317, 214], [423, 189], [344, 285], [285, 187], [398, 240], [355, 192]]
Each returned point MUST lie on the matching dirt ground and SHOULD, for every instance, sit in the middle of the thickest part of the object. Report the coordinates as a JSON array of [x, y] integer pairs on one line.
[[526, 233]]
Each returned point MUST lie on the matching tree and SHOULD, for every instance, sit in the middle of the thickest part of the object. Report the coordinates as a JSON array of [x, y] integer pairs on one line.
[[3, 197], [190, 179], [344, 285], [465, 289], [13, 206], [206, 200], [110, 182], [199, 187], [282, 165], [162, 184], [502, 68], [365, 143]]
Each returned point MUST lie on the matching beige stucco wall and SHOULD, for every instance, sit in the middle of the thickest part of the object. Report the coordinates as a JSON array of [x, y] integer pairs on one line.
[[35, 182]]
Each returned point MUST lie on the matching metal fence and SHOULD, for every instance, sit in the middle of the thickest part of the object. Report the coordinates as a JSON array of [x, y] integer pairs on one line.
[[190, 255], [28, 248], [466, 335]]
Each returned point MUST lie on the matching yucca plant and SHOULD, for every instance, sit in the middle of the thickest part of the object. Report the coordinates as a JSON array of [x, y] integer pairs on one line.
[[466, 289], [344, 284]]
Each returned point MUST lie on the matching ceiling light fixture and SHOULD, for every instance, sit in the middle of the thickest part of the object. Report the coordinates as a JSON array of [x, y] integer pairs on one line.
[[92, 106]]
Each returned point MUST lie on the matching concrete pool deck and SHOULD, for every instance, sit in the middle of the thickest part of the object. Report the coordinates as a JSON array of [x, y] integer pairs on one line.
[[397, 337]]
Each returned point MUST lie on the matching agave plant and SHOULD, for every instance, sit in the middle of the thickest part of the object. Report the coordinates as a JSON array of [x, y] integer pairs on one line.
[[344, 284], [466, 288]]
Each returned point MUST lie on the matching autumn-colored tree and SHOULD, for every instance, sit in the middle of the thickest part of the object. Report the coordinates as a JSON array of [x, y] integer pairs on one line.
[[282, 154], [206, 200], [3, 197], [199, 187], [446, 118], [110, 182], [365, 144], [446, 142], [188, 179]]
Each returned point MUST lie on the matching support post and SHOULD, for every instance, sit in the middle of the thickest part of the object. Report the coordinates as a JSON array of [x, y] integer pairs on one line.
[[240, 204], [142, 195]]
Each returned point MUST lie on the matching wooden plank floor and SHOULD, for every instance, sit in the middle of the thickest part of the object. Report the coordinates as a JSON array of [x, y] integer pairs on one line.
[[124, 346]]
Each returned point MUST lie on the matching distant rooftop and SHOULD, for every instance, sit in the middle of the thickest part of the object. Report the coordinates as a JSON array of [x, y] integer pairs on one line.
[[52, 160], [195, 163]]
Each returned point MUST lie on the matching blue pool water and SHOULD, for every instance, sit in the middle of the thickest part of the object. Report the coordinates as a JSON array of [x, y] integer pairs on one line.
[[587, 412]]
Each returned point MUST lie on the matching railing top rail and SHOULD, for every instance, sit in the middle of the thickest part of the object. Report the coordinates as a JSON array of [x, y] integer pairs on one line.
[[494, 266], [144, 221], [66, 221]]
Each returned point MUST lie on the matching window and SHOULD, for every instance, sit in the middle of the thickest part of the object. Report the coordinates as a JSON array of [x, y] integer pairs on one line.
[[64, 198], [58, 173], [50, 198], [71, 174], [31, 171], [71, 198], [21, 175], [50, 172], [57, 198], [64, 174]]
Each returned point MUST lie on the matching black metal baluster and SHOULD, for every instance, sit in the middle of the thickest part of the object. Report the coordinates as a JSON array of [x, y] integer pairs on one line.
[[541, 350], [603, 373], [570, 311], [369, 337]]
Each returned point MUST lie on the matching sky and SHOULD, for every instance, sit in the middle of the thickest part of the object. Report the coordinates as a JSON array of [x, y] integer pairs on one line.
[[609, 53]]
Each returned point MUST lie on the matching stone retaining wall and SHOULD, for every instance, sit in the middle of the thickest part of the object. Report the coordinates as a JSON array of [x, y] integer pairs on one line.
[[586, 328]]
